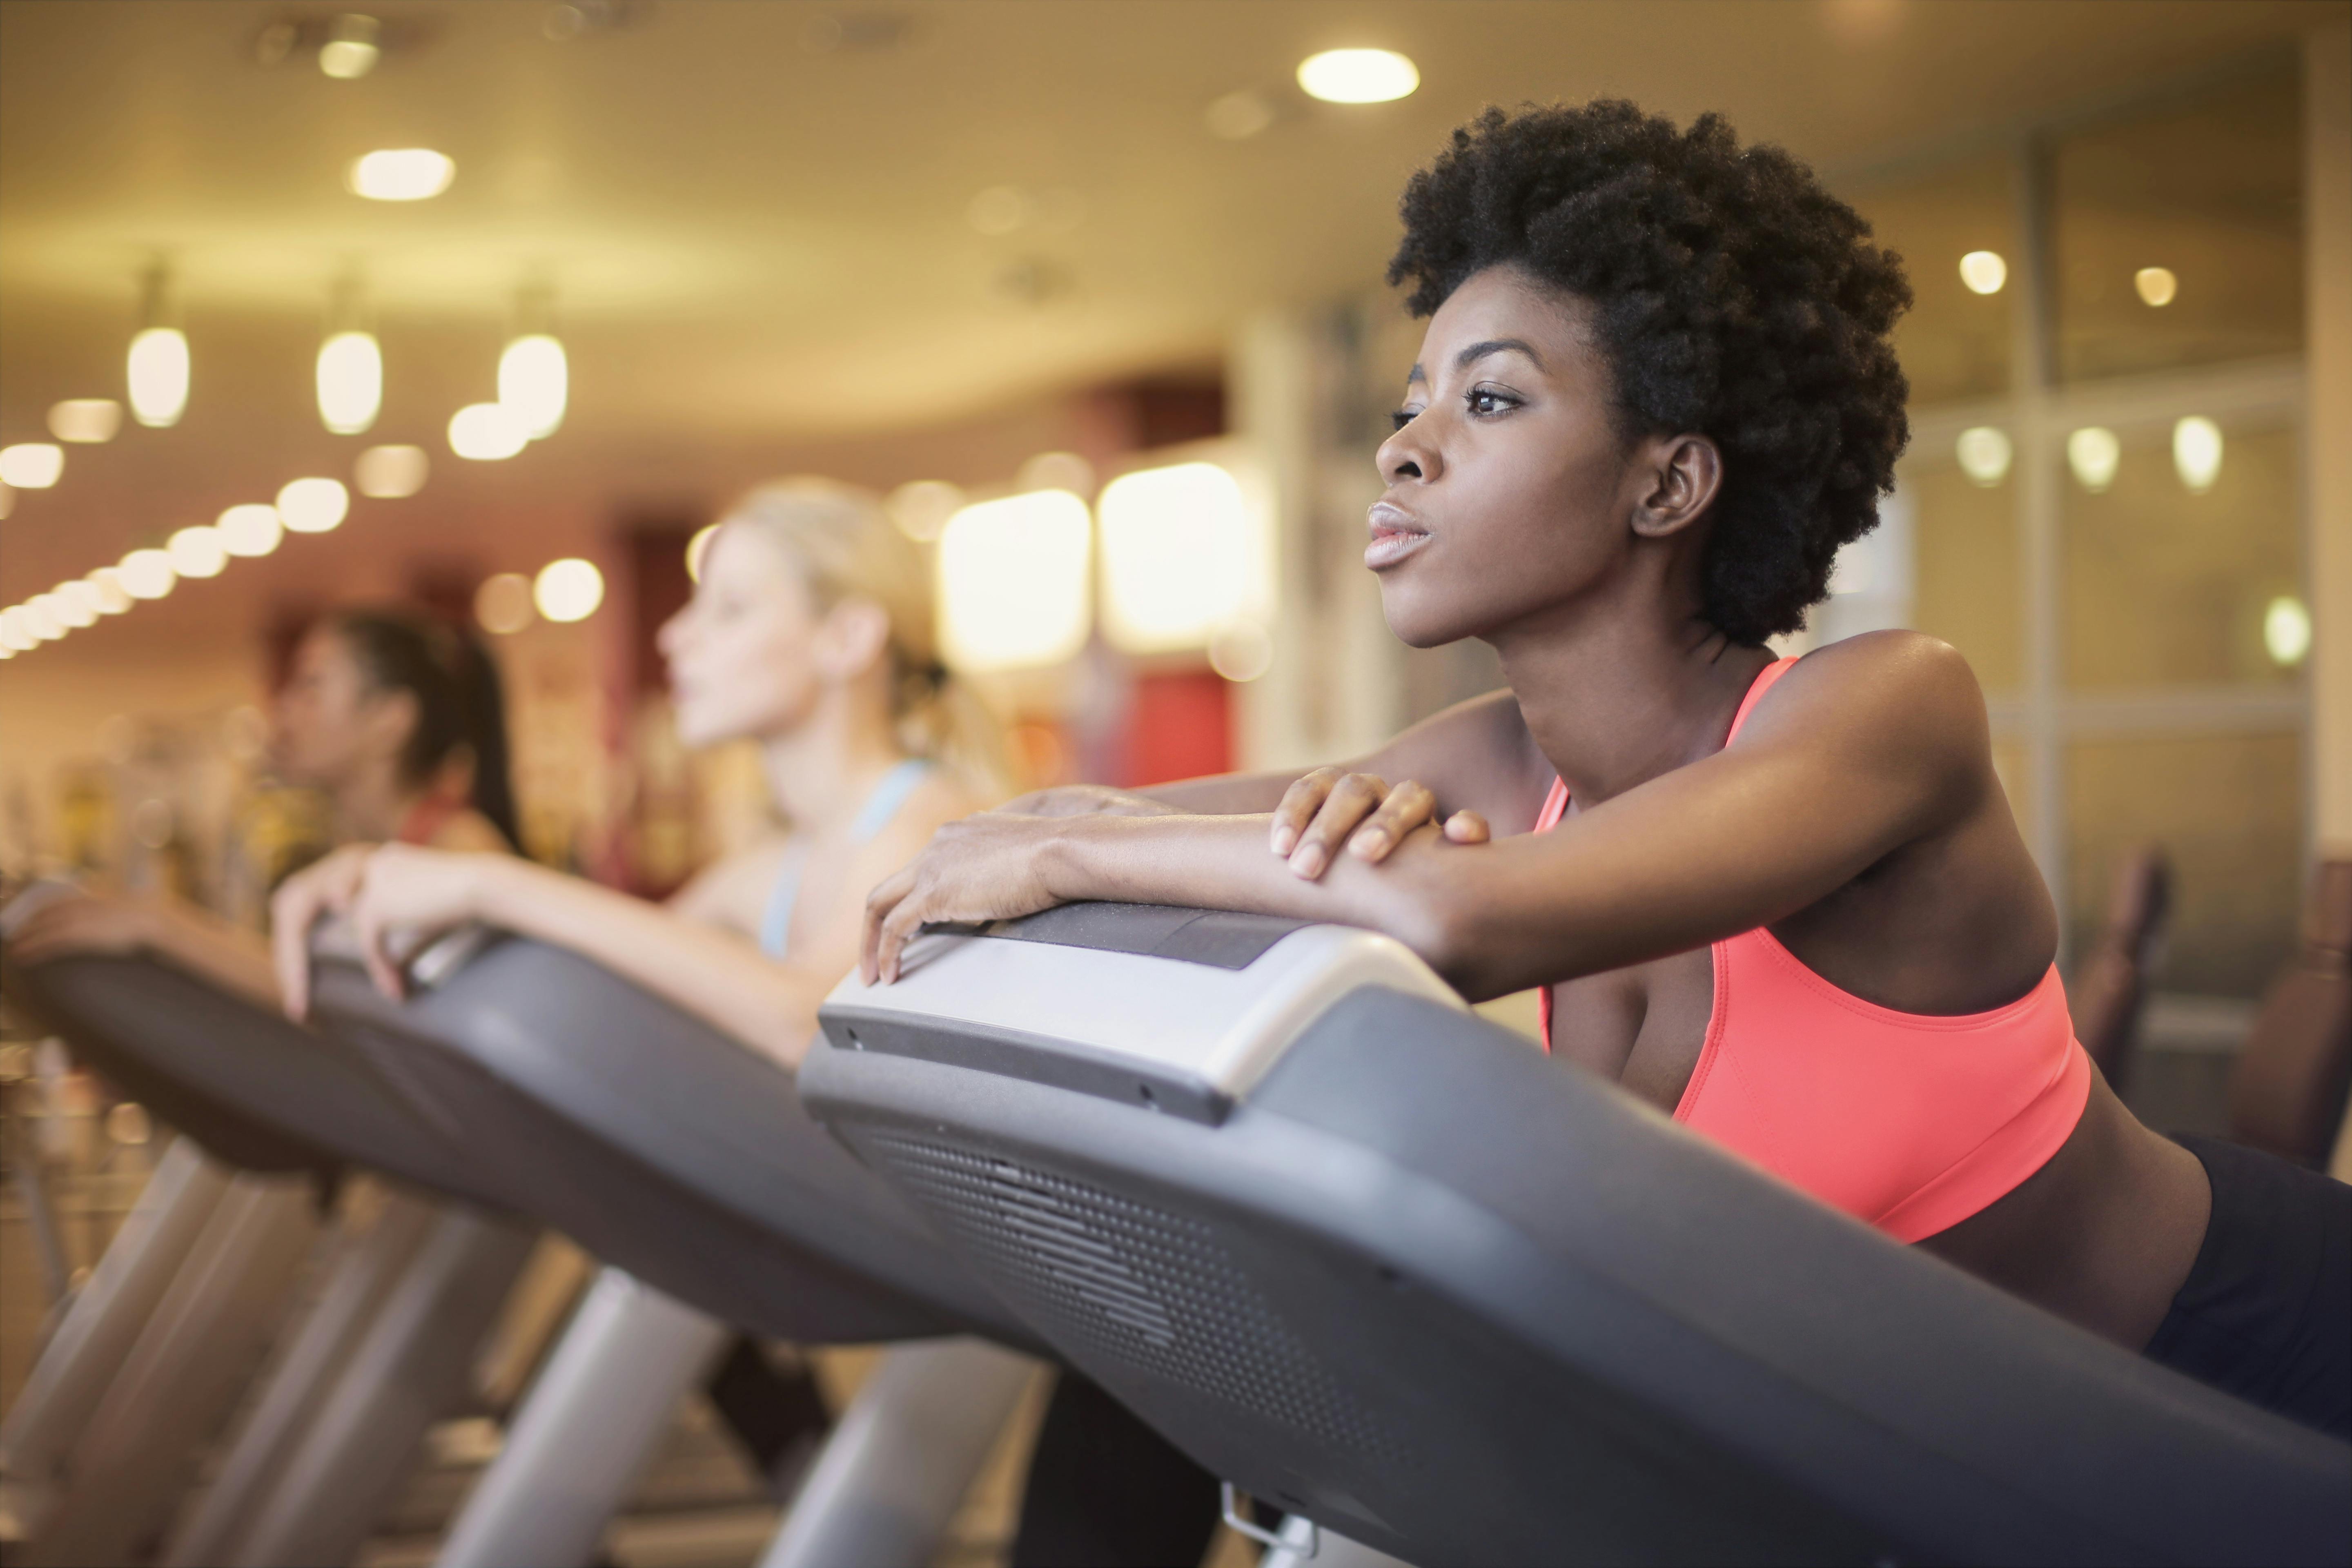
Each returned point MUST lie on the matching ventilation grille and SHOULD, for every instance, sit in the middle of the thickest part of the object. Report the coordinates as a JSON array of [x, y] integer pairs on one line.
[[1127, 1281]]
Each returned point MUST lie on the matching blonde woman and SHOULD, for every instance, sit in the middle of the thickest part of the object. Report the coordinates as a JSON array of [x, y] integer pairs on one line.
[[810, 633]]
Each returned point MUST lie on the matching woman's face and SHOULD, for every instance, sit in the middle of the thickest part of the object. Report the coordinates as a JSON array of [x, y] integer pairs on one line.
[[1508, 482], [329, 722], [743, 654]]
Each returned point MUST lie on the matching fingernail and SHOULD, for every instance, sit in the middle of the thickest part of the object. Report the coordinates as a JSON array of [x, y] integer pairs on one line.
[[1284, 840], [1309, 861], [1369, 844]]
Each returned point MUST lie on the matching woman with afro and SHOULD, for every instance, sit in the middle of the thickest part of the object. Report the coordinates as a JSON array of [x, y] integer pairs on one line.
[[1781, 899]]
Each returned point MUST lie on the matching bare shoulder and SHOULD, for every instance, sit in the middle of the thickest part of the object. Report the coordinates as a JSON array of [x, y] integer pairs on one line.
[[733, 890], [1898, 690]]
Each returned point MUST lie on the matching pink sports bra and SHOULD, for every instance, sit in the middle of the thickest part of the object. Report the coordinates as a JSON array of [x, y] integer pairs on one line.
[[1910, 1121]]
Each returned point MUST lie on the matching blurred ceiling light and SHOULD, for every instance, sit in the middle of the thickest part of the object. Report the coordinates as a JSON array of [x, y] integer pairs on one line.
[[85, 593], [696, 548], [1358, 76], [2196, 452], [568, 589], [391, 473], [2286, 630], [86, 421], [400, 174], [1984, 453], [32, 465], [71, 608], [534, 381], [1180, 557], [147, 574], [2095, 454], [1000, 209], [43, 618], [1983, 271], [16, 630], [1013, 581], [1058, 471], [313, 506], [158, 376], [351, 50], [921, 509], [1243, 651], [197, 552], [351, 381], [2157, 285], [502, 604], [1238, 116], [251, 529], [114, 598], [487, 432]]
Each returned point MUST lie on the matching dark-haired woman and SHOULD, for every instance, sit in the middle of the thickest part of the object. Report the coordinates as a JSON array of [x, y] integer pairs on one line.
[[398, 720], [1784, 901]]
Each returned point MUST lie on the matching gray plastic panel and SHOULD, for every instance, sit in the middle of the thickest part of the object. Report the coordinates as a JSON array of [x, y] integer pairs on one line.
[[662, 1146], [257, 1090], [1467, 1304], [1222, 938]]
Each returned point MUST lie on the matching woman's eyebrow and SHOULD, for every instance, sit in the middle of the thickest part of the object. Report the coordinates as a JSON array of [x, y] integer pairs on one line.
[[1479, 351]]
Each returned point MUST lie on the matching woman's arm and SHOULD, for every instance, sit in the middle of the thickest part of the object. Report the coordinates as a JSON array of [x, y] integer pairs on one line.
[[709, 965], [194, 940], [1845, 761]]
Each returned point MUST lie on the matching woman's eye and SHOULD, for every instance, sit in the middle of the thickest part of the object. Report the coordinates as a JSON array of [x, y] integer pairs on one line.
[[1482, 402], [1403, 417]]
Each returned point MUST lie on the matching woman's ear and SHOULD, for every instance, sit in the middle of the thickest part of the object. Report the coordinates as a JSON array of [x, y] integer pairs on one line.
[[853, 637], [1680, 475]]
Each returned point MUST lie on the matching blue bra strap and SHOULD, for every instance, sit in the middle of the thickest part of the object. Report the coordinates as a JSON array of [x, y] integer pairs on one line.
[[776, 920]]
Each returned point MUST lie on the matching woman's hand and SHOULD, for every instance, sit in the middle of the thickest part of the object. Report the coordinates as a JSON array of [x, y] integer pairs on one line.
[[1328, 807], [983, 867], [382, 887], [87, 923]]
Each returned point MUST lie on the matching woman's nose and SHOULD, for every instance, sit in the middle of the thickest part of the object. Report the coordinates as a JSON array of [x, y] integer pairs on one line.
[[1408, 454]]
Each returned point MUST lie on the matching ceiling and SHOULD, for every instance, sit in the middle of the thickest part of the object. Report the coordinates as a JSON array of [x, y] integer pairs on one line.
[[759, 245]]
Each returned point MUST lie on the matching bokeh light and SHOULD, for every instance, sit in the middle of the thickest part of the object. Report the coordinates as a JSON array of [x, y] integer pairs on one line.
[[568, 589]]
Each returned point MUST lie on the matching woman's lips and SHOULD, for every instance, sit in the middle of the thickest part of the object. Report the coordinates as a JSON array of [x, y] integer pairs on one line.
[[1394, 537]]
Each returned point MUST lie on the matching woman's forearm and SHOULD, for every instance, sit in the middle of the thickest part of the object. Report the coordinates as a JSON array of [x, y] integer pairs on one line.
[[236, 959], [712, 972], [1223, 862]]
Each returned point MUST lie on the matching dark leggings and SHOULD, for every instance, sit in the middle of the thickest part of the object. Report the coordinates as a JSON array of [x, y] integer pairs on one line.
[[1107, 1491], [2266, 1311]]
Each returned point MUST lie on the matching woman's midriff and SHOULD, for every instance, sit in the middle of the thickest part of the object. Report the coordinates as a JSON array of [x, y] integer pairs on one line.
[[2103, 1235]]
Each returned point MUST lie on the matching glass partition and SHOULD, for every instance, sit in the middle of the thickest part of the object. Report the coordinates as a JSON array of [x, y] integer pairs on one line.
[[2179, 233]]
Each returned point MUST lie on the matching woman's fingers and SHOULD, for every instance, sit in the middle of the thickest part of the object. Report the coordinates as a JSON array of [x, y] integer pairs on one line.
[[887, 896], [1408, 805], [1466, 827], [1352, 798], [326, 888], [1298, 805], [898, 928]]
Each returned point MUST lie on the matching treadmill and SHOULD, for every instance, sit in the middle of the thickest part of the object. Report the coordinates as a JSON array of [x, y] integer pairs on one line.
[[685, 1161], [154, 1351], [1376, 1261]]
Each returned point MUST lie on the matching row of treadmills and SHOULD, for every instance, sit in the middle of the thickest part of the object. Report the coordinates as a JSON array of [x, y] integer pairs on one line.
[[1422, 1292]]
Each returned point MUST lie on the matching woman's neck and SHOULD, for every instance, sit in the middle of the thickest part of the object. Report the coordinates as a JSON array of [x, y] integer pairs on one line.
[[372, 807], [1617, 694], [821, 771]]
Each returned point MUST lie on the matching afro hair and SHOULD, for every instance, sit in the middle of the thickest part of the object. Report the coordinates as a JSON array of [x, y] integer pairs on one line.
[[1734, 298]]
